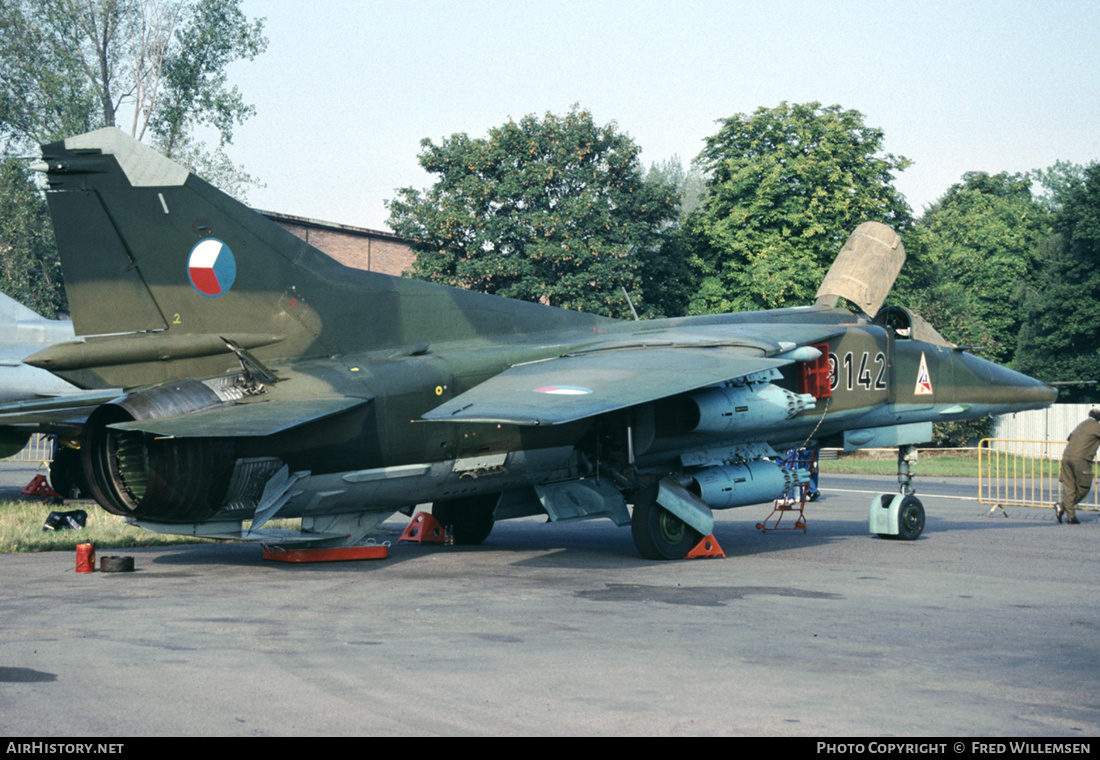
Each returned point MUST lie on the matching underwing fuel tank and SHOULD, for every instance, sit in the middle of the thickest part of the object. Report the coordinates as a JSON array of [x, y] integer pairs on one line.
[[729, 408], [739, 485]]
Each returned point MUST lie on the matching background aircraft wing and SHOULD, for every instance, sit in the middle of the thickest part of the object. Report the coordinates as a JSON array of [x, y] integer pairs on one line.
[[570, 388], [67, 406]]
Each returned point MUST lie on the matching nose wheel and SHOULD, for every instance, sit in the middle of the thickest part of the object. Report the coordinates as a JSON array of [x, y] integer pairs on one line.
[[910, 518]]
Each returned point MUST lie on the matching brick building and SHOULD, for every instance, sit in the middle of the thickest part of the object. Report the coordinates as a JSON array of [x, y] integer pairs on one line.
[[358, 247]]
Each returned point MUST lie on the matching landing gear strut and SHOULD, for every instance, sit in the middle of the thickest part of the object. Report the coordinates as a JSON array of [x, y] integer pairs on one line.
[[899, 516]]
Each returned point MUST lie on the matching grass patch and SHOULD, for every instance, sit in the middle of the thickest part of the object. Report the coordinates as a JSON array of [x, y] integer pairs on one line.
[[951, 463], [21, 530]]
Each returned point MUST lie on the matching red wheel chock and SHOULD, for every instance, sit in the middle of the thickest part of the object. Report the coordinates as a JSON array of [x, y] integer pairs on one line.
[[424, 529], [707, 548], [39, 487]]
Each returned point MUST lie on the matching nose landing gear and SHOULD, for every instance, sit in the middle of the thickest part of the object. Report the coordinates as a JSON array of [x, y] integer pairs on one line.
[[899, 516]]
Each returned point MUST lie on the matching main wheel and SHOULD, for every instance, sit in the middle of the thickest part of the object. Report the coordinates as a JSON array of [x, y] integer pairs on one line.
[[470, 518], [657, 533], [910, 519]]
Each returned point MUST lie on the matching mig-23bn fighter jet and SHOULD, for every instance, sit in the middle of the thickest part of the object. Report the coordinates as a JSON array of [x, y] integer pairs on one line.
[[266, 380]]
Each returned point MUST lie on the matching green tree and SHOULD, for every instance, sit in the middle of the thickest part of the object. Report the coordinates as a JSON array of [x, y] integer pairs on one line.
[[552, 210], [214, 34], [153, 67], [44, 88], [668, 279], [785, 188], [1059, 340], [690, 183], [1055, 181], [29, 268], [979, 247]]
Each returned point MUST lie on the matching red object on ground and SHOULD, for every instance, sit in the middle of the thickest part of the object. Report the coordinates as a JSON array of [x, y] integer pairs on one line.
[[706, 549], [39, 487], [424, 529], [339, 554]]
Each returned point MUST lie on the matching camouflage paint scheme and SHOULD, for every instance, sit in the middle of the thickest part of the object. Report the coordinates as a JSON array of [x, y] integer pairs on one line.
[[265, 379]]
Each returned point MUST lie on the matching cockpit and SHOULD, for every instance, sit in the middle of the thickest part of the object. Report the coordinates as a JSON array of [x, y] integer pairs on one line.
[[905, 325]]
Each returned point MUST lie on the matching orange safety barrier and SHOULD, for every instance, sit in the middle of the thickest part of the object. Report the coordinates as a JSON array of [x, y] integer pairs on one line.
[[1023, 473]]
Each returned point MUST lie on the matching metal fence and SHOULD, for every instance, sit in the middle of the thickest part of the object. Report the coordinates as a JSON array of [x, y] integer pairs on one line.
[[1054, 423], [1023, 473]]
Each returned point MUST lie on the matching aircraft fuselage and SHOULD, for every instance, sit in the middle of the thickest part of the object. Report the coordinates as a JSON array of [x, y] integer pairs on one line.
[[383, 456]]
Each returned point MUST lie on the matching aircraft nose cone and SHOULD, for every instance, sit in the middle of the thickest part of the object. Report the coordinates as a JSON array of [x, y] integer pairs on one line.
[[1026, 390], [984, 382], [1046, 394]]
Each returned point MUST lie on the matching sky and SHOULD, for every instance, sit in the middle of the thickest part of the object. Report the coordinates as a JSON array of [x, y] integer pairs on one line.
[[347, 89]]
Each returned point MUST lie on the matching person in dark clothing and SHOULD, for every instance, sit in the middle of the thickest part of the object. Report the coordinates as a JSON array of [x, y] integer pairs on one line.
[[1075, 474], [809, 458], [802, 459]]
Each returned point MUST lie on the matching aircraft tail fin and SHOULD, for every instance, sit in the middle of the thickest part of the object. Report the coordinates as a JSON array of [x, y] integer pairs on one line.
[[13, 312], [147, 247], [23, 325]]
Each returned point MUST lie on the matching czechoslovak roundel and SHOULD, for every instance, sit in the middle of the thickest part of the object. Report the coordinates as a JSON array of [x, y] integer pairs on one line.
[[212, 268]]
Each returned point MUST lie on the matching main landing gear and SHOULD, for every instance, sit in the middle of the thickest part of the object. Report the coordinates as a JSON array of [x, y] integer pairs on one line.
[[470, 518], [657, 533]]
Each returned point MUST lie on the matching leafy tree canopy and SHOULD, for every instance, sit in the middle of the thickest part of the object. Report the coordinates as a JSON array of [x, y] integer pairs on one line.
[[1055, 181], [785, 188], [978, 248], [550, 209], [1059, 340], [153, 67], [29, 268], [689, 182]]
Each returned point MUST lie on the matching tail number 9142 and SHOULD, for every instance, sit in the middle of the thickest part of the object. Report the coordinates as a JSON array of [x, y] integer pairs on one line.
[[870, 374]]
